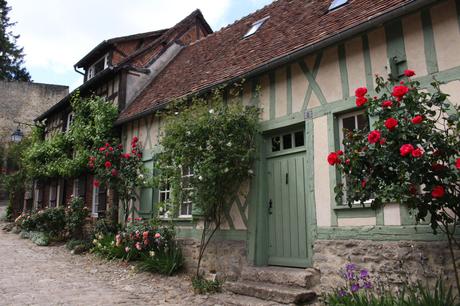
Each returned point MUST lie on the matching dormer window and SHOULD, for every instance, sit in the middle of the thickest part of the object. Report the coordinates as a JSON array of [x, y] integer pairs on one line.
[[97, 67], [255, 26], [336, 4]]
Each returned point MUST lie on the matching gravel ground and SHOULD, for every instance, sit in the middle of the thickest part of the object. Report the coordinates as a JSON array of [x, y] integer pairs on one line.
[[33, 275]]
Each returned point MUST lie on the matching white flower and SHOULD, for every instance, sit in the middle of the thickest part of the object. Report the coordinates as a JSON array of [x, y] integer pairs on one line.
[[188, 133], [229, 144], [250, 171], [200, 178], [141, 177], [176, 113], [95, 241], [211, 111], [225, 170], [152, 253]]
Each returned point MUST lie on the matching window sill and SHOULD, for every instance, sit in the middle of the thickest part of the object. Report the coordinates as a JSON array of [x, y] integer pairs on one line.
[[177, 219], [367, 205]]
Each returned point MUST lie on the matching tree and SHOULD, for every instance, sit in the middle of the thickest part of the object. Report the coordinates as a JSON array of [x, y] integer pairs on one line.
[[11, 56], [411, 156], [216, 142]]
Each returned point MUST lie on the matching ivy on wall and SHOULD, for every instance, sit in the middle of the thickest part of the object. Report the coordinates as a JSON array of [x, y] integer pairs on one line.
[[66, 154]]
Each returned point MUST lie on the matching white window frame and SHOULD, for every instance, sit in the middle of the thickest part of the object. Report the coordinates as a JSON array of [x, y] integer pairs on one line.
[[167, 196], [95, 204], [341, 137], [70, 117], [255, 27], [189, 173], [91, 70], [37, 194], [336, 4]]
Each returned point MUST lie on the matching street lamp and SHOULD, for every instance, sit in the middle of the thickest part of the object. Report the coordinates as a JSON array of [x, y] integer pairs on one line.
[[17, 135]]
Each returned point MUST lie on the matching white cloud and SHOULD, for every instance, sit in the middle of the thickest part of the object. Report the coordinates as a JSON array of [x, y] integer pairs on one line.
[[55, 34]]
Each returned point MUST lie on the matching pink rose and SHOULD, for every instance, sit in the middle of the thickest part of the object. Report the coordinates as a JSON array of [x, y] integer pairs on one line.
[[157, 235]]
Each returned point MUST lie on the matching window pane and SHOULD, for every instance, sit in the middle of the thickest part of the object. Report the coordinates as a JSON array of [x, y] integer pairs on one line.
[[349, 123], [299, 139], [287, 141], [276, 146], [363, 122]]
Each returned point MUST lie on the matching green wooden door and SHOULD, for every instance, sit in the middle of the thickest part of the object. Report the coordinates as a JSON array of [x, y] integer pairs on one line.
[[287, 213]]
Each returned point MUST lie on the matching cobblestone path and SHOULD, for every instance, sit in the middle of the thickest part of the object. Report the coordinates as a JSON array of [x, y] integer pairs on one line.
[[33, 275]]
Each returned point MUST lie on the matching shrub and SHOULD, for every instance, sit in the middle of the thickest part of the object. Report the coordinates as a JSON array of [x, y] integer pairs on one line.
[[78, 246], [39, 238], [202, 285], [105, 227], [51, 221], [167, 262], [76, 214], [9, 212], [104, 246]]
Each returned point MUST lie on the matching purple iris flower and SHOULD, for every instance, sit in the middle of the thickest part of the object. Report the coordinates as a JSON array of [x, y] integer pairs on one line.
[[364, 273], [342, 293], [354, 287], [350, 267], [367, 285]]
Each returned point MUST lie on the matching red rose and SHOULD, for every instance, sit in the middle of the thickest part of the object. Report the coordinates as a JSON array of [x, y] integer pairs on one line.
[[408, 73], [363, 184], [360, 92], [417, 153], [101, 149], [333, 158], [135, 139], [457, 163], [360, 101], [437, 191], [108, 164], [110, 149], [114, 172], [387, 103], [412, 189], [120, 146], [417, 119], [383, 141], [373, 136], [347, 162], [96, 183], [107, 144], [339, 152], [391, 123], [406, 149], [133, 145], [399, 91]]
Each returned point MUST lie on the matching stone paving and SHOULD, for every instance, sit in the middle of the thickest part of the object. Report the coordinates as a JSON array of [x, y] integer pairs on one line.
[[33, 275]]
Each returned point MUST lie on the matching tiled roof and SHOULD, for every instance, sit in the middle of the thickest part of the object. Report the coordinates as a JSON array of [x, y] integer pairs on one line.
[[225, 55]]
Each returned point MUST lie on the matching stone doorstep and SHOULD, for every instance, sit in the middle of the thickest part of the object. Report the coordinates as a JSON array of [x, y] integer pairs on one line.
[[271, 292], [295, 277]]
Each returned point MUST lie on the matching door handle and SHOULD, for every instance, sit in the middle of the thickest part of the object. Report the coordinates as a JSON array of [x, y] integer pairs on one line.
[[270, 206], [287, 178]]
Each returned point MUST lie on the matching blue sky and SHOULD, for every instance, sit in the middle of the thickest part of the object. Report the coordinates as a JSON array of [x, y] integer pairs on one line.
[[55, 34]]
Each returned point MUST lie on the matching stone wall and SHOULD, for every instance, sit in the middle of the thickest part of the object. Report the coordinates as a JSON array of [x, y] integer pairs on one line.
[[24, 101], [226, 257], [392, 261]]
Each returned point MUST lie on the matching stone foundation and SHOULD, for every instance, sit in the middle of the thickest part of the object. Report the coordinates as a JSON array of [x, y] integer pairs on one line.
[[392, 262], [226, 258]]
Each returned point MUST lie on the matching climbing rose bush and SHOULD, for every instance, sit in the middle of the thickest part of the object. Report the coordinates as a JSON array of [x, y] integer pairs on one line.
[[120, 171], [410, 156]]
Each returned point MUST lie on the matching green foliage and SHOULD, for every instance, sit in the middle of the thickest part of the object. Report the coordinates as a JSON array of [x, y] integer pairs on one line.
[[167, 261], [104, 246], [51, 221], [216, 140], [105, 227], [416, 295], [122, 172], [39, 238], [76, 215], [78, 246], [202, 285], [66, 154], [12, 56], [9, 212]]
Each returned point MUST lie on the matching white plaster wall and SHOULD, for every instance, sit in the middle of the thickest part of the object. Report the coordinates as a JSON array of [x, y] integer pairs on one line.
[[356, 221], [281, 93], [328, 77], [299, 87], [378, 52], [321, 167], [355, 64], [391, 214], [453, 89]]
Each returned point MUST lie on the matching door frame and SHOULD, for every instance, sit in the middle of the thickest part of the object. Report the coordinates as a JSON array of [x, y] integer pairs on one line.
[[258, 205]]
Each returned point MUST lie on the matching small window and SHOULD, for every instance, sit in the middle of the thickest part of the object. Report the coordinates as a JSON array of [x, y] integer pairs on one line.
[[99, 66], [276, 144], [287, 141], [99, 202], [187, 192], [352, 121], [164, 197], [255, 26], [299, 139], [69, 121], [336, 4]]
